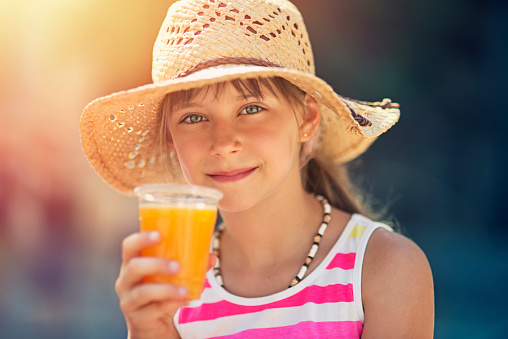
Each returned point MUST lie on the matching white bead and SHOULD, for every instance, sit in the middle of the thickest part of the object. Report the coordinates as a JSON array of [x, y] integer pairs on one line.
[[327, 208], [313, 250], [322, 229], [302, 272]]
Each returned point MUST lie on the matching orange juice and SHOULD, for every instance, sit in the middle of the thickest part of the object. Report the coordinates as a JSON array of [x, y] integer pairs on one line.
[[186, 234]]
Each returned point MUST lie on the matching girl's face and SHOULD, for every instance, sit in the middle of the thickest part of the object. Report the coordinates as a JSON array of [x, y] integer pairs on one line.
[[245, 147]]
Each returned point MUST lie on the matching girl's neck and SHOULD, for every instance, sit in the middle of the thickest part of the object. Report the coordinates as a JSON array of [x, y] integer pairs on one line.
[[277, 227]]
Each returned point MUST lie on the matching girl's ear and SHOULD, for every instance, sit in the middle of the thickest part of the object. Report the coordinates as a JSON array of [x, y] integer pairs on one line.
[[311, 119]]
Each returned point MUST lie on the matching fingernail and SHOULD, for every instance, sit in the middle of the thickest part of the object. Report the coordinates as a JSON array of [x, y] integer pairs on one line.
[[154, 236], [174, 266], [182, 291]]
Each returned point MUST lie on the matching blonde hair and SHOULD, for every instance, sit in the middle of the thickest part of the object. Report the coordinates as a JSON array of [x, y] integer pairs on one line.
[[319, 176]]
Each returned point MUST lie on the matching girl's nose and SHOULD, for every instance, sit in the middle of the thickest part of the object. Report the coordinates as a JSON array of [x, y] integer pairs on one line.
[[225, 142]]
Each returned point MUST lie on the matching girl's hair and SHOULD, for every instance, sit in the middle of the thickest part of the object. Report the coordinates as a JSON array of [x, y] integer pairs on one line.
[[318, 175]]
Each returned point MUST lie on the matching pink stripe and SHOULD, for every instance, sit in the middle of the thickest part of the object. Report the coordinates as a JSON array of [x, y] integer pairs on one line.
[[207, 284], [315, 294], [306, 329], [346, 261]]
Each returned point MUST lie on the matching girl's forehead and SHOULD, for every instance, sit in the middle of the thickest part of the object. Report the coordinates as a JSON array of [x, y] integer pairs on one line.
[[230, 91]]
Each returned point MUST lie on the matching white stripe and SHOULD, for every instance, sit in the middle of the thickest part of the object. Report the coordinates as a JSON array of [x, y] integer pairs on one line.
[[334, 276], [270, 318]]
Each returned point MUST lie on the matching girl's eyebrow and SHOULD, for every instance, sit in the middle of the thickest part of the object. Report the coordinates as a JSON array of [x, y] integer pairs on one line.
[[242, 96], [263, 96], [186, 106]]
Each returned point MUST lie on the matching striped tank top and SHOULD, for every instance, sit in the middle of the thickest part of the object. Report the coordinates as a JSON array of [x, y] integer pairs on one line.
[[325, 304]]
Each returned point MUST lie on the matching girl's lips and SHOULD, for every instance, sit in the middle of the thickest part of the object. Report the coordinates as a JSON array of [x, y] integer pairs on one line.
[[231, 175]]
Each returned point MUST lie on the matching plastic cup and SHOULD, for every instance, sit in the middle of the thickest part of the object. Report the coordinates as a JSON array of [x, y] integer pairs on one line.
[[185, 217]]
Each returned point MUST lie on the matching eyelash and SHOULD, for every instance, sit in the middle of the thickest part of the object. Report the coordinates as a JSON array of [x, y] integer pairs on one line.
[[187, 119], [249, 106]]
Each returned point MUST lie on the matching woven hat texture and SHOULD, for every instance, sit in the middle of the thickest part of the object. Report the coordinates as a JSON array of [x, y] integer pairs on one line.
[[203, 42]]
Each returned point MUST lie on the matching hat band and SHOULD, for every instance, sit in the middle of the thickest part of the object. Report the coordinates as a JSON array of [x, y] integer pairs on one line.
[[226, 61], [386, 103], [360, 119]]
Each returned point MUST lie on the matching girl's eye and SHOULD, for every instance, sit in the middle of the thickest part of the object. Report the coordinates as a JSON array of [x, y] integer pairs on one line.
[[252, 109], [193, 119]]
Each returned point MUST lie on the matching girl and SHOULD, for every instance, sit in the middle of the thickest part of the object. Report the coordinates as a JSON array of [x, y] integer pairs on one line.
[[235, 105]]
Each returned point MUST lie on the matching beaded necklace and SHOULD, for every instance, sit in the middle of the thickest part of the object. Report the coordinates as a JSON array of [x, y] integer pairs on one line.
[[313, 250]]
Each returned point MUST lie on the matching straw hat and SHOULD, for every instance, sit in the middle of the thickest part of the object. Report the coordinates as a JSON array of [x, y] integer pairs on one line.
[[204, 42]]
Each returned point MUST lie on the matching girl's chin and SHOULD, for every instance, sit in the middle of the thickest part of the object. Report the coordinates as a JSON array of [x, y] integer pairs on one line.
[[234, 204]]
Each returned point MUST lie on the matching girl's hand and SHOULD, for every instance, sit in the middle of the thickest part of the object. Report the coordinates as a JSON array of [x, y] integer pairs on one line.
[[148, 308]]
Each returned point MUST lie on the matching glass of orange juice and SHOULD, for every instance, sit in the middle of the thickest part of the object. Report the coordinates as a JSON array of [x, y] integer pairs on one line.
[[185, 217]]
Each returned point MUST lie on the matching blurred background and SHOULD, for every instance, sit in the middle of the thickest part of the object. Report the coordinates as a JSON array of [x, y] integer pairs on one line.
[[441, 170]]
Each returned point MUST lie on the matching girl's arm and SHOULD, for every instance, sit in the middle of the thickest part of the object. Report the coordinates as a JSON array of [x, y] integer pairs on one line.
[[397, 289]]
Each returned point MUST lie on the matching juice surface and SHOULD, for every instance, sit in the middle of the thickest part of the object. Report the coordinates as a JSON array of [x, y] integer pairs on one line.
[[186, 235]]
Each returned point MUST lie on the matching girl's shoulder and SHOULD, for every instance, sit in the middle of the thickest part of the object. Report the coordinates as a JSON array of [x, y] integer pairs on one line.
[[392, 251], [397, 287]]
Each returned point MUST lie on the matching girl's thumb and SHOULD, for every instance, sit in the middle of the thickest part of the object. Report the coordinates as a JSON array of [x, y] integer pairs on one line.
[[212, 260]]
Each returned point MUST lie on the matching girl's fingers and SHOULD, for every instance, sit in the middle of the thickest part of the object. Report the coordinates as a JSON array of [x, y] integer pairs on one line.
[[145, 295], [139, 267], [134, 243]]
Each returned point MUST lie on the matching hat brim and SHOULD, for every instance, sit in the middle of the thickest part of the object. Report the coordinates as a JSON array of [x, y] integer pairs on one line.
[[120, 136]]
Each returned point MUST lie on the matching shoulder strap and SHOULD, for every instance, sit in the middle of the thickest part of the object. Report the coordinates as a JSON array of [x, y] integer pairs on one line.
[[360, 254]]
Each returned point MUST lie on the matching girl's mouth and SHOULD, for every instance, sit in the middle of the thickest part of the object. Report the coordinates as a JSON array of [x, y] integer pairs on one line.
[[230, 176]]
